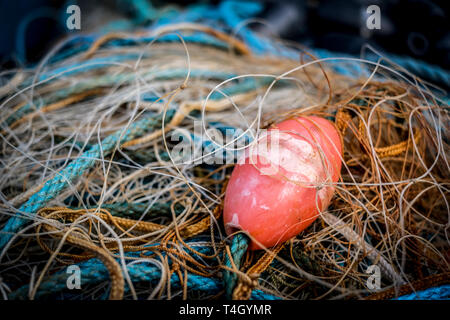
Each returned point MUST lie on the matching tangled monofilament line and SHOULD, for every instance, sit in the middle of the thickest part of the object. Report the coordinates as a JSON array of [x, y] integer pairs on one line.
[[88, 175]]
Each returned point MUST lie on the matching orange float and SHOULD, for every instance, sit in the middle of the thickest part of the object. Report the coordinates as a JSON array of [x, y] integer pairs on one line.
[[283, 181]]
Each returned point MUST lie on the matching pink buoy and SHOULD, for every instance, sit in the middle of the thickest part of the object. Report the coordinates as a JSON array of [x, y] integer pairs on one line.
[[281, 183]]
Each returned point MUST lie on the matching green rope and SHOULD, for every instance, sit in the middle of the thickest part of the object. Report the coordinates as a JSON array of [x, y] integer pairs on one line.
[[239, 247]]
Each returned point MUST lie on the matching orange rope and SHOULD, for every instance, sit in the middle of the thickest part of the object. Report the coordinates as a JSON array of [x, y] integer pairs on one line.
[[57, 105]]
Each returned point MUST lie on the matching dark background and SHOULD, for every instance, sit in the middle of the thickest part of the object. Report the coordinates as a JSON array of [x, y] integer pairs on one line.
[[415, 28]]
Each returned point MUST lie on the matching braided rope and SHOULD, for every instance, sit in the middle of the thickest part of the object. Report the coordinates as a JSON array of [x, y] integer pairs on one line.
[[342, 121], [143, 226], [113, 267], [72, 215], [398, 148], [233, 260]]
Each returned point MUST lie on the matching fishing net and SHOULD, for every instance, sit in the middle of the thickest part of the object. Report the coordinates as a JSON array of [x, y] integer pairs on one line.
[[92, 177]]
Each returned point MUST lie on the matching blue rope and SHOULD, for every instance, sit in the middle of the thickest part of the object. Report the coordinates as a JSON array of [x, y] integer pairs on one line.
[[239, 246], [93, 271], [436, 293]]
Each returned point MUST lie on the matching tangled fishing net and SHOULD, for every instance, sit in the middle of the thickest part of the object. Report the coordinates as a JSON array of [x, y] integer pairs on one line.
[[89, 177]]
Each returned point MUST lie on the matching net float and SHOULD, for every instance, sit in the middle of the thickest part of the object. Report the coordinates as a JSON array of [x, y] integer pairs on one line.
[[283, 181]]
